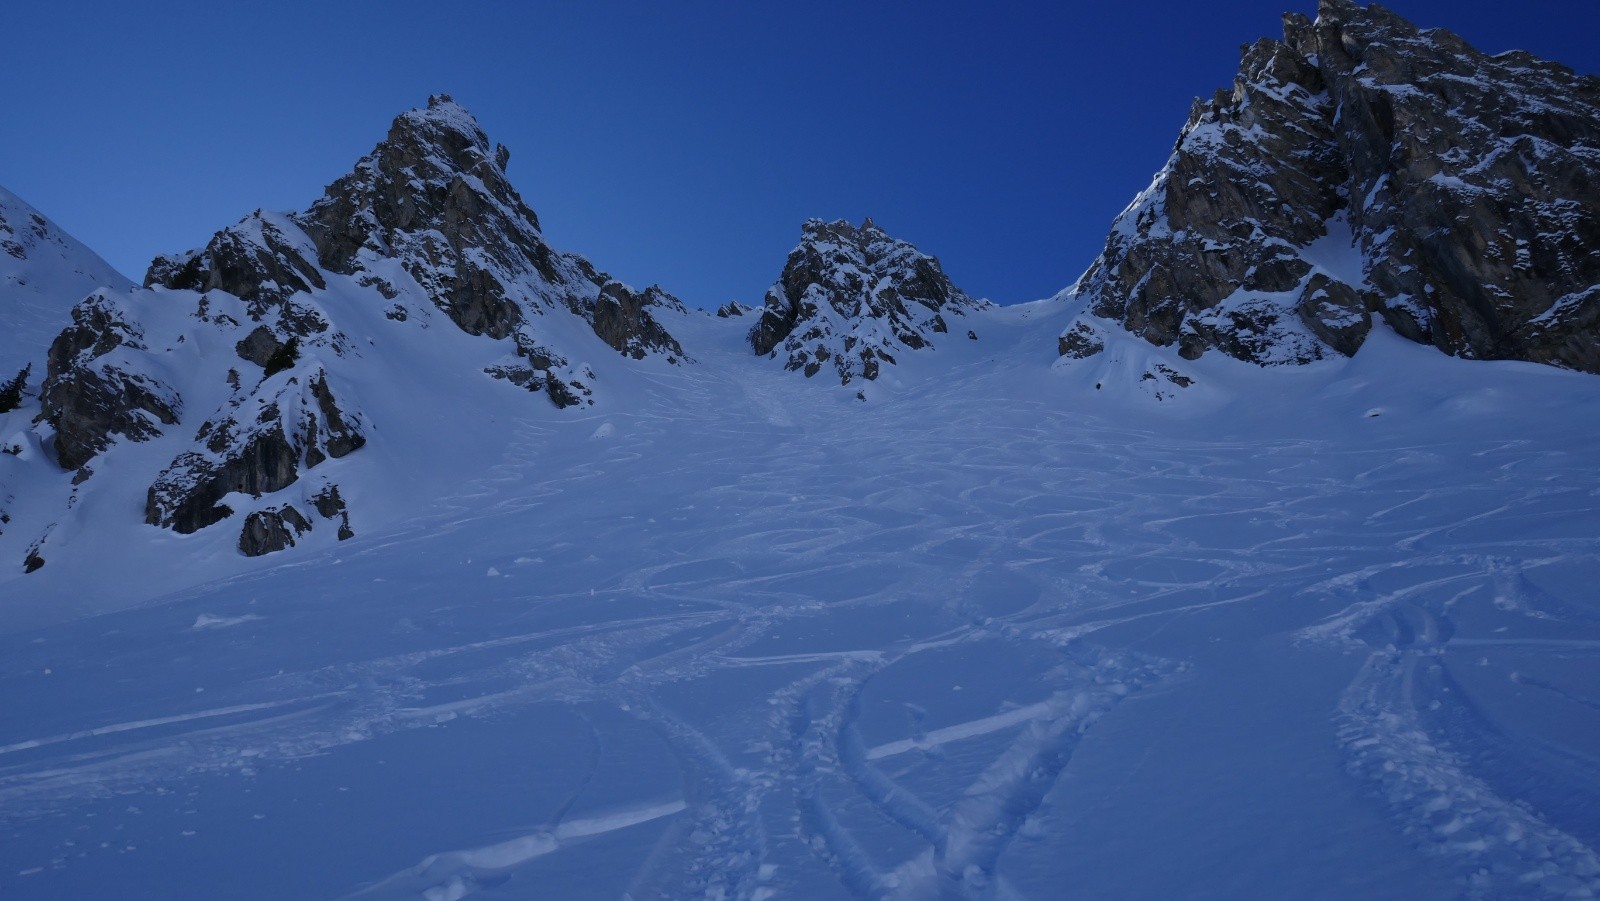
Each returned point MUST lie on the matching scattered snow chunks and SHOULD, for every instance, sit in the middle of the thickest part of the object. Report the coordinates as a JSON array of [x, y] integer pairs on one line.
[[259, 444], [98, 383], [852, 298], [1499, 846]]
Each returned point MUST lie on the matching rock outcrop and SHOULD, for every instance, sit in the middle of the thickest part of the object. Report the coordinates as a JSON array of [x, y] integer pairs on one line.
[[622, 318], [261, 445], [94, 390], [851, 299], [1363, 166]]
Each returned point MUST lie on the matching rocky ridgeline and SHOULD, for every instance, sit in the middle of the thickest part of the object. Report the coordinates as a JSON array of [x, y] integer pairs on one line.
[[851, 299], [1363, 166], [428, 216]]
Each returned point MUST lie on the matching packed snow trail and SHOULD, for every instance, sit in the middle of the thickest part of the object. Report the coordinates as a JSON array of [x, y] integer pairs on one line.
[[992, 633]]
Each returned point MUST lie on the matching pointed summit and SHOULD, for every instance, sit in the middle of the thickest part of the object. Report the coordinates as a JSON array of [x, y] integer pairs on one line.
[[433, 174]]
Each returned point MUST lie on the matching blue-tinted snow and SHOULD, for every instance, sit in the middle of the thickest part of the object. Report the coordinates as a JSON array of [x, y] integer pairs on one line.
[[1003, 630]]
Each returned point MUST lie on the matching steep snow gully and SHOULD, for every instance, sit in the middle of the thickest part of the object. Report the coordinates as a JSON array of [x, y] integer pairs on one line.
[[995, 634]]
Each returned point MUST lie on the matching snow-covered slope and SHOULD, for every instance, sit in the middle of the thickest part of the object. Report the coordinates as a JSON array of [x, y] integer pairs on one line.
[[1330, 633], [853, 300], [43, 272], [1364, 166]]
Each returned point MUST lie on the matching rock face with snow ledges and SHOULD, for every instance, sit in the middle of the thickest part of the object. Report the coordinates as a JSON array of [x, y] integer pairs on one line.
[[852, 299], [247, 367], [433, 201], [1362, 165]]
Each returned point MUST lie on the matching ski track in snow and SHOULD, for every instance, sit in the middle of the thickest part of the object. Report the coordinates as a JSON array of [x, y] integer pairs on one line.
[[760, 606]]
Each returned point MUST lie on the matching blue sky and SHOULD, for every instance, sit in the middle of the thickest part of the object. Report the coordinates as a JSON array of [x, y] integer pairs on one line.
[[680, 143]]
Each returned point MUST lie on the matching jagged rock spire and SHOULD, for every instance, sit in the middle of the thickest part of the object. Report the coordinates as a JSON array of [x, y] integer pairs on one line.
[[1364, 165]]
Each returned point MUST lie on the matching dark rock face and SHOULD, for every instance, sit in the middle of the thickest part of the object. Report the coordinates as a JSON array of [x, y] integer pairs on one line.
[[1363, 166], [260, 346], [266, 531], [622, 320], [257, 261], [732, 310], [330, 505], [277, 528], [89, 395], [851, 298], [256, 449]]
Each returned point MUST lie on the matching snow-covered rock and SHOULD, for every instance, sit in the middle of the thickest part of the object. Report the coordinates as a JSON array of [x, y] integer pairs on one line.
[[1362, 165], [852, 299]]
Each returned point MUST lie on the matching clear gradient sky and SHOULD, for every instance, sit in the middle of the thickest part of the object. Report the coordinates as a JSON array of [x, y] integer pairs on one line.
[[680, 143]]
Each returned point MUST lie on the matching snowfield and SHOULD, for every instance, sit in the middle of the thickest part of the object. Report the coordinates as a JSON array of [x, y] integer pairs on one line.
[[1010, 628]]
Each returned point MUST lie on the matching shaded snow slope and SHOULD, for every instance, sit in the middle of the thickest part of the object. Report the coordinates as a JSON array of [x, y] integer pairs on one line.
[[43, 272], [1323, 631]]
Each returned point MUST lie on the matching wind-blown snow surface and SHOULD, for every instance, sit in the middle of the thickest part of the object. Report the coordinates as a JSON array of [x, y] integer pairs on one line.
[[1323, 632]]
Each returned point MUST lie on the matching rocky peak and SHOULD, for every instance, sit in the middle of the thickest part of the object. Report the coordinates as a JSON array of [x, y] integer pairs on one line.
[[1363, 165], [435, 169], [852, 298], [239, 343]]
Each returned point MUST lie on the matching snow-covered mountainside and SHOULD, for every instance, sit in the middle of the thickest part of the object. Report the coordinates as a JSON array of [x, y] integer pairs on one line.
[[43, 272], [381, 551], [730, 633], [1361, 166], [853, 300], [231, 388]]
